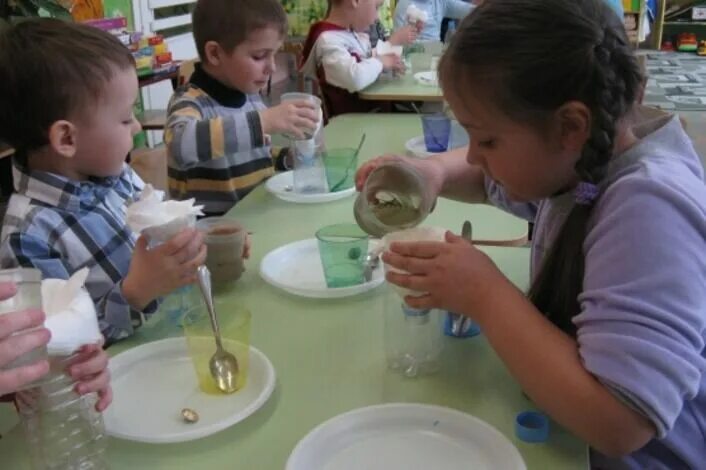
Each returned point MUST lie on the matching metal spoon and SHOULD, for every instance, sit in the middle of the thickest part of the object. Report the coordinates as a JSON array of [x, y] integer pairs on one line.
[[461, 323], [348, 167], [223, 365], [372, 259]]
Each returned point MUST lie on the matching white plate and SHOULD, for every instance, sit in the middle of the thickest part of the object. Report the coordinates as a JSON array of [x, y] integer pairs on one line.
[[279, 183], [296, 268], [153, 382], [405, 437], [428, 78], [417, 148]]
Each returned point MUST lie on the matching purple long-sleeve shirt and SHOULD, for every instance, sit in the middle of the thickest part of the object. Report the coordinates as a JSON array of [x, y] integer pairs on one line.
[[642, 325]]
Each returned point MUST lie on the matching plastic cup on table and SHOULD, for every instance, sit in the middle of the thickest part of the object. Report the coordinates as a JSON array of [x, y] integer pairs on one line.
[[343, 249], [234, 322], [437, 131], [341, 165]]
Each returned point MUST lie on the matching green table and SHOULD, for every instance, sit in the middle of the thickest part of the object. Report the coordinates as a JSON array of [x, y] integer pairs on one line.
[[404, 88], [329, 354]]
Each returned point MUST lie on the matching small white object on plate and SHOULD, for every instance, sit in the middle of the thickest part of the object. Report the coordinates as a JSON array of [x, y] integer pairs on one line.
[[296, 268], [282, 183], [428, 78], [153, 382], [399, 436]]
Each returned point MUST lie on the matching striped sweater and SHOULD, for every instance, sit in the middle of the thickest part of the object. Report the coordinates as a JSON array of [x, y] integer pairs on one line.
[[215, 144]]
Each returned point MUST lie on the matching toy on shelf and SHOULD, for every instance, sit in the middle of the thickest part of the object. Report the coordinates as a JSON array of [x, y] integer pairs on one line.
[[686, 42], [702, 48], [151, 53]]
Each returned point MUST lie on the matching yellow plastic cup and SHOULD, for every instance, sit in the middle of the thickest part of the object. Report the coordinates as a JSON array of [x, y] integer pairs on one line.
[[234, 322]]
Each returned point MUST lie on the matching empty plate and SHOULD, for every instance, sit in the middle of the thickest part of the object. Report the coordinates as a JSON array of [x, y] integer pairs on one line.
[[282, 186], [296, 268], [405, 437]]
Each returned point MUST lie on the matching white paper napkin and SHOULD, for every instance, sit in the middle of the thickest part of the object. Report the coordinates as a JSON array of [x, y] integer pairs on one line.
[[71, 314], [415, 14], [160, 220]]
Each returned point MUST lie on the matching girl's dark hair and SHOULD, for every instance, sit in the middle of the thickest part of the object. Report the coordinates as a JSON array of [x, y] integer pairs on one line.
[[531, 57], [51, 69]]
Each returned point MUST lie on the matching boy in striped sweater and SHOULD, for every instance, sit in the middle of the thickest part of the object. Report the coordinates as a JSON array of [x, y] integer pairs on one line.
[[218, 129]]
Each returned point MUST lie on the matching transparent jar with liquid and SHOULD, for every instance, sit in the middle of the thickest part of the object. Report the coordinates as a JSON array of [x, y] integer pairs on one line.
[[29, 296], [62, 429], [394, 197], [413, 338]]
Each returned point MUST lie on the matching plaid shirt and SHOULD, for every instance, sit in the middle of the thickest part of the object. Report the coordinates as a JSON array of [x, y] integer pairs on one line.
[[60, 226]]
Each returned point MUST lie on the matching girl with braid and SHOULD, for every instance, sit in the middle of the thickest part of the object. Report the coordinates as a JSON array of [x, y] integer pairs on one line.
[[609, 342]]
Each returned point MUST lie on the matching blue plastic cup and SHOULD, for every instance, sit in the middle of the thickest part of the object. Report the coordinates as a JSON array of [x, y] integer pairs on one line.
[[437, 131]]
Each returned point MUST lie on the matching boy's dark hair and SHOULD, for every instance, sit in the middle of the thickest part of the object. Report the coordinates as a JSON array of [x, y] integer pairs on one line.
[[531, 57], [51, 70], [230, 22]]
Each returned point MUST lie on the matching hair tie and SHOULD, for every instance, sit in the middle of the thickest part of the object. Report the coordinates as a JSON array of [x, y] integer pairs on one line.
[[585, 193]]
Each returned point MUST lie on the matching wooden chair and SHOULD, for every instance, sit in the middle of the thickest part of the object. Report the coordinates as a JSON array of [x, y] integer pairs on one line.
[[156, 119]]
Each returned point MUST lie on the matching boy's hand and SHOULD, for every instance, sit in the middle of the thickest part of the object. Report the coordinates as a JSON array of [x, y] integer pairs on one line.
[[404, 36], [392, 62], [291, 117], [12, 346], [158, 271], [90, 369]]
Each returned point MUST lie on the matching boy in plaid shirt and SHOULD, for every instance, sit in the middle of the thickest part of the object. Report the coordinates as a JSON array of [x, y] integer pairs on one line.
[[67, 96]]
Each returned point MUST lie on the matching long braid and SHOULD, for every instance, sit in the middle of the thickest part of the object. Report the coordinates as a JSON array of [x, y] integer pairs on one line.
[[613, 61]]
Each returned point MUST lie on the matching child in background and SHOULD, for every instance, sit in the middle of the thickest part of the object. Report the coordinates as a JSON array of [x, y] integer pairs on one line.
[[611, 341], [337, 52], [67, 97], [217, 132], [436, 11]]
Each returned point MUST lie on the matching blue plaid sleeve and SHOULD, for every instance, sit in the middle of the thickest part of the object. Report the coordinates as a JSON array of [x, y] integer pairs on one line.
[[117, 320]]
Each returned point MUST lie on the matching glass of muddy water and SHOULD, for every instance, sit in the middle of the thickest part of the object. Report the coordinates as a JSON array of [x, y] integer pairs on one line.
[[394, 197], [225, 239]]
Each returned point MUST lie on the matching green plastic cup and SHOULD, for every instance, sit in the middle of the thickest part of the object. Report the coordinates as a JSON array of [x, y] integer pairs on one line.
[[343, 248], [341, 165]]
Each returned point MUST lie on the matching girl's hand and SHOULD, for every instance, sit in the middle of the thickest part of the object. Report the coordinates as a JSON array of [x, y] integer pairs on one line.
[[90, 369], [455, 275]]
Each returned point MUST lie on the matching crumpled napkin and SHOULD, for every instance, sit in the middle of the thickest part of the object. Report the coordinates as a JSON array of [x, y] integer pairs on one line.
[[158, 219], [70, 314], [415, 14], [384, 48]]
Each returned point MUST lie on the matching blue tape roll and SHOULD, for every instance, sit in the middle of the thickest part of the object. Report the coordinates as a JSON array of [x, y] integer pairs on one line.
[[531, 426]]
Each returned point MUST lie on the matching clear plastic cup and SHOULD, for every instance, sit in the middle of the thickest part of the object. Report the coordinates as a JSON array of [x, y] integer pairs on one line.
[[343, 249], [28, 296], [437, 131], [225, 239], [295, 96]]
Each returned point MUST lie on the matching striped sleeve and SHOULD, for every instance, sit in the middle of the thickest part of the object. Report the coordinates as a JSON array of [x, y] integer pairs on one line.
[[193, 137]]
